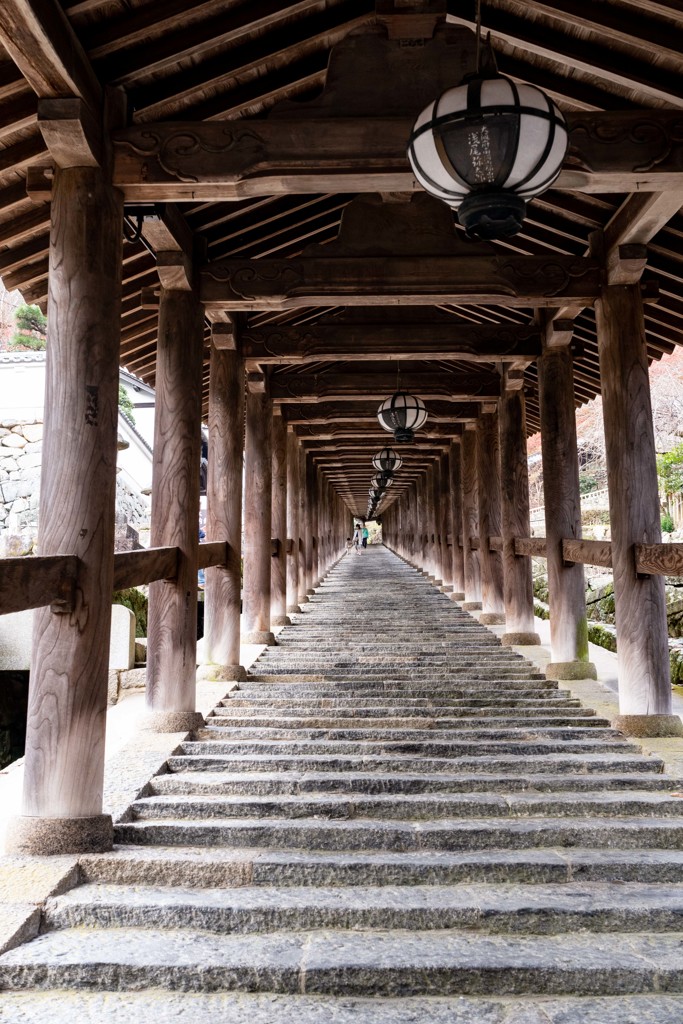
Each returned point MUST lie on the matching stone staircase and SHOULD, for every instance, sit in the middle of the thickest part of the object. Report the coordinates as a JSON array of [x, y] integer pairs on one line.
[[394, 820]]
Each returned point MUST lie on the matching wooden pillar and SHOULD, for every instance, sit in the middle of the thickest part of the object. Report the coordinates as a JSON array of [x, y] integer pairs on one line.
[[310, 525], [446, 525], [488, 477], [292, 522], [566, 583], [640, 602], [518, 590], [430, 561], [64, 760], [470, 519], [257, 517], [172, 615], [278, 562], [303, 523], [224, 516], [436, 522], [456, 521]]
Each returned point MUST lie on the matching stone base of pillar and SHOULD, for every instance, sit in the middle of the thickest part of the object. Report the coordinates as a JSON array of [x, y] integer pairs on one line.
[[48, 837], [471, 606], [520, 639], [457, 595], [281, 620], [446, 589], [293, 609], [221, 673], [173, 721], [492, 618], [260, 637], [437, 583], [648, 725], [571, 670], [303, 600], [310, 593]]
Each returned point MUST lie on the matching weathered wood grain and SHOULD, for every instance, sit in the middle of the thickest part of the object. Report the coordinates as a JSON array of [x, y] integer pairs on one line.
[[303, 584], [278, 564], [257, 514], [292, 583], [222, 591], [445, 520], [514, 490], [456, 516], [68, 688], [566, 583], [488, 491], [37, 581], [172, 616], [135, 568], [587, 552], [660, 559], [640, 603], [532, 547], [211, 554], [470, 516]]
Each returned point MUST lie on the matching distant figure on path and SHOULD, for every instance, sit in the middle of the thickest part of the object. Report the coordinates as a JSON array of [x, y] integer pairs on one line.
[[365, 533], [358, 539]]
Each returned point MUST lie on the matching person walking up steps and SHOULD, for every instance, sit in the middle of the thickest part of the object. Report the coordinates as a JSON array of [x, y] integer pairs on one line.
[[357, 538], [365, 533]]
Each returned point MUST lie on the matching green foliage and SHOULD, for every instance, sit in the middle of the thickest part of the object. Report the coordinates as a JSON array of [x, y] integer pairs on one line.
[[668, 525], [125, 404], [587, 483], [137, 602], [31, 328], [670, 470]]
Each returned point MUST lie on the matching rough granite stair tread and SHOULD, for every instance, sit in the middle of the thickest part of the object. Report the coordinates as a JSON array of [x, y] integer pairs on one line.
[[348, 963], [301, 782], [166, 1007], [222, 730], [407, 805]]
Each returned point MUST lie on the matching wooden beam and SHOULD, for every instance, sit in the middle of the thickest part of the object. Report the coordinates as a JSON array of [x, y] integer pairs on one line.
[[505, 280], [71, 132], [659, 559], [587, 552], [534, 547], [364, 410], [352, 386], [37, 581], [135, 568], [361, 342], [39, 39], [609, 151]]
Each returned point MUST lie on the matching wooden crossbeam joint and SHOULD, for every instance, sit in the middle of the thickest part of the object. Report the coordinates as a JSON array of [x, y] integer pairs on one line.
[[71, 132]]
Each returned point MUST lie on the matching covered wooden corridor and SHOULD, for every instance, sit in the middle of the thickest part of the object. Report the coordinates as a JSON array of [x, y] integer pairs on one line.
[[235, 201]]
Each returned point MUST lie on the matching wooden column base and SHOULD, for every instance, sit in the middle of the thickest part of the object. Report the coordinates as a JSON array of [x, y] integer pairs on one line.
[[173, 721], [520, 639], [649, 725], [281, 620], [221, 673], [492, 619], [48, 837], [471, 606], [571, 670], [260, 637]]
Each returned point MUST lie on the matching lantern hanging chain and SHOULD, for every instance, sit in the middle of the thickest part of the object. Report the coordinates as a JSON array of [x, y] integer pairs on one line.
[[398, 374], [478, 22]]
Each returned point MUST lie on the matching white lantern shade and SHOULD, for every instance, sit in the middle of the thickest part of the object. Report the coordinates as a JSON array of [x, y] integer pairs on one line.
[[402, 414]]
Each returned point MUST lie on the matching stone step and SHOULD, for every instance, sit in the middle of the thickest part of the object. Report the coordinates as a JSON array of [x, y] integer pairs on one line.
[[439, 747], [406, 836], [514, 908], [548, 699], [348, 963], [226, 867], [404, 806], [576, 763], [399, 689], [166, 1007], [369, 783], [534, 728], [536, 719]]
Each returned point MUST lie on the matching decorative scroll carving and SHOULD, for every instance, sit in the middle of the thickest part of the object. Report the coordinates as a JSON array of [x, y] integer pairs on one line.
[[257, 278], [180, 153], [543, 276], [643, 139]]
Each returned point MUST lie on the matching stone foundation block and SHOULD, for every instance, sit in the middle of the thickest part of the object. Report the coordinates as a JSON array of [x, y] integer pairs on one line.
[[492, 618], [259, 637], [281, 620], [221, 673], [520, 639], [173, 721], [48, 837], [649, 725], [471, 606], [571, 670]]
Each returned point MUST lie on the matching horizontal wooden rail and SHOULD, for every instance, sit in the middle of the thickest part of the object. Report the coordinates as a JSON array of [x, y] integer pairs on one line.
[[659, 559], [533, 546], [212, 553], [495, 543], [133, 568], [37, 580], [587, 552]]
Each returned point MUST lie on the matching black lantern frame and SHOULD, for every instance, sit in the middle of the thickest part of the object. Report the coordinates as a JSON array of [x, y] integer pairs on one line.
[[402, 414]]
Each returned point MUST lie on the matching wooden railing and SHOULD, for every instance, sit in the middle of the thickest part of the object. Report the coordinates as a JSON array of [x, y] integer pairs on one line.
[[38, 580]]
